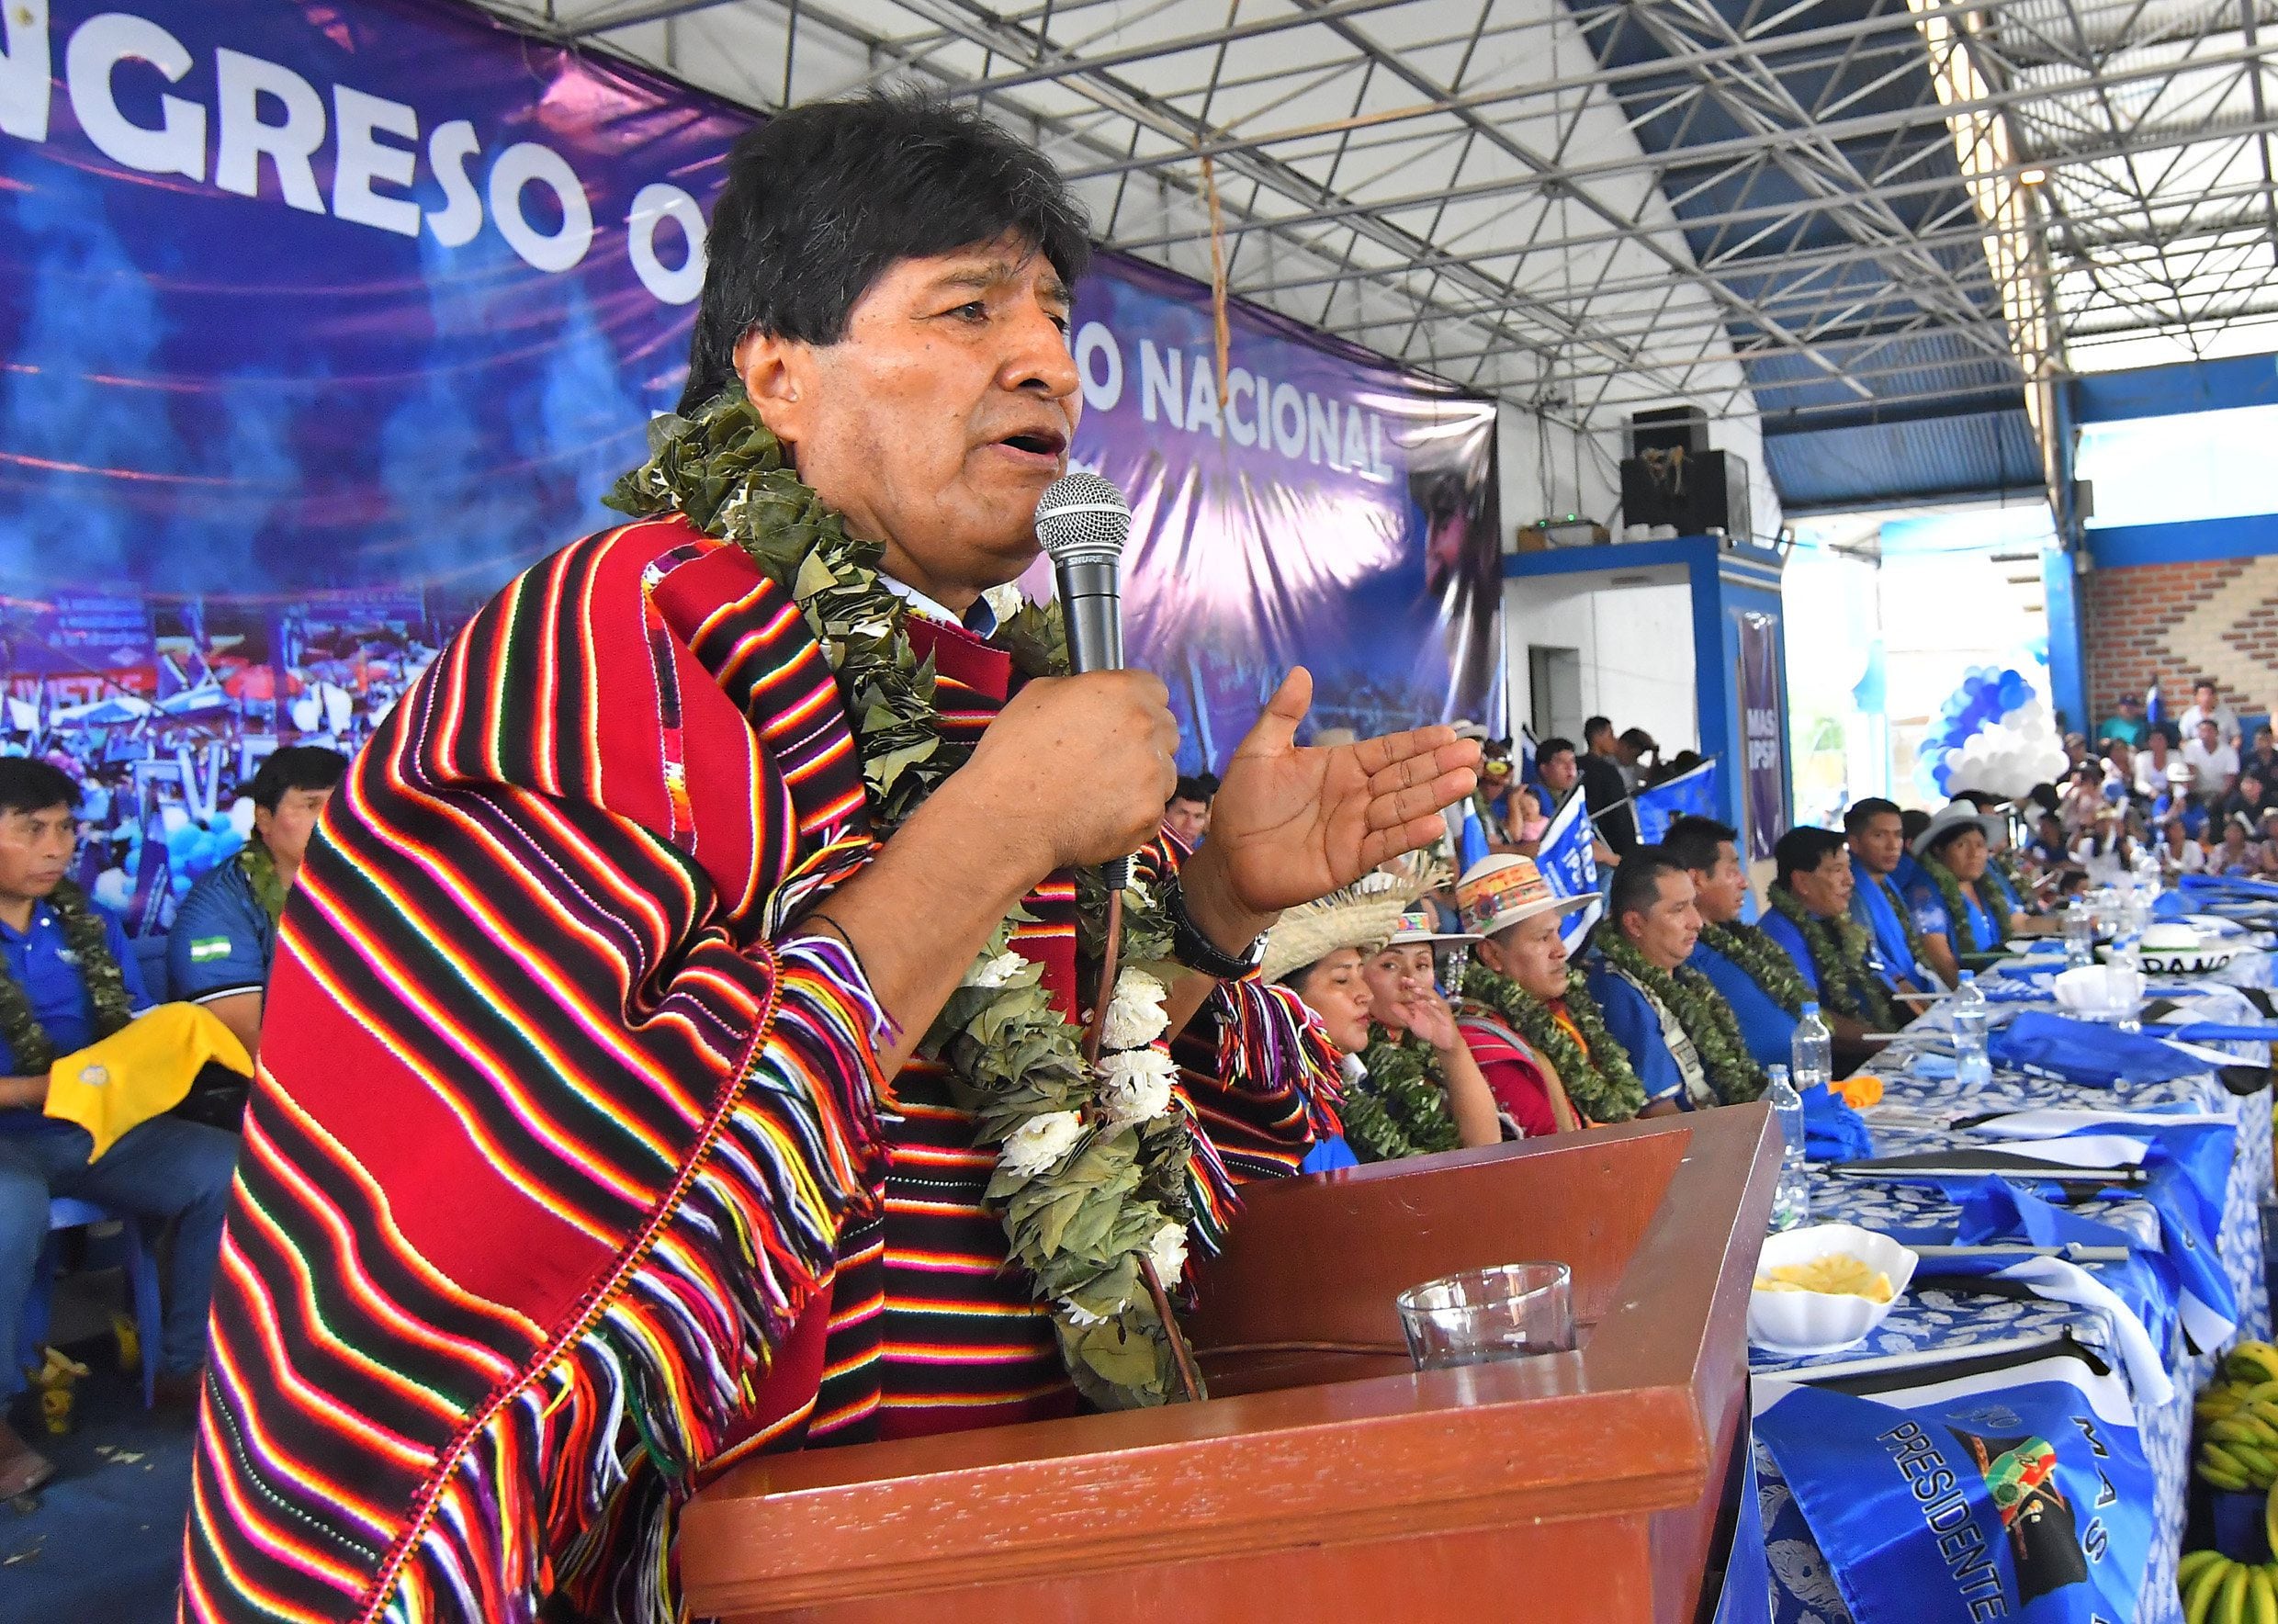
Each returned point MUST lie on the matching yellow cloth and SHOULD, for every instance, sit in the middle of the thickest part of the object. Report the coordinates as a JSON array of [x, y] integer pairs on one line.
[[142, 1070]]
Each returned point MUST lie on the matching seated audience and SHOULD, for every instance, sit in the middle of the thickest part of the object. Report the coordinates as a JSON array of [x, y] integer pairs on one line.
[[1529, 1019], [2261, 757], [2129, 726], [2238, 853], [1678, 1031], [2049, 847], [225, 931], [68, 978], [1420, 1090], [2076, 750], [2214, 764], [1743, 963], [2152, 763], [1957, 913], [1187, 816], [1811, 920], [2205, 706], [2083, 798], [2108, 854], [2179, 854], [2119, 761], [1875, 831], [2248, 798]]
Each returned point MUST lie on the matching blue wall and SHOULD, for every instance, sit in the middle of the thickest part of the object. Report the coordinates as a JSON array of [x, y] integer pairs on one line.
[[2173, 391]]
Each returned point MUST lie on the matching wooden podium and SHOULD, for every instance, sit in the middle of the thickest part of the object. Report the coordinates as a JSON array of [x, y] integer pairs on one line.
[[1324, 1480]]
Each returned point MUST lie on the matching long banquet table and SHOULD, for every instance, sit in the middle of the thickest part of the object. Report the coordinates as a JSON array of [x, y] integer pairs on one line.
[[1909, 1120]]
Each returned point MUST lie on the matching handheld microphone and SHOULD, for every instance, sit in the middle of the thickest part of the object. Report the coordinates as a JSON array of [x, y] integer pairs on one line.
[[1083, 522]]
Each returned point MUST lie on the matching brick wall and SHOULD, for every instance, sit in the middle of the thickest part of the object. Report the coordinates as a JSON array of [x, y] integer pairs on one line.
[[2177, 622]]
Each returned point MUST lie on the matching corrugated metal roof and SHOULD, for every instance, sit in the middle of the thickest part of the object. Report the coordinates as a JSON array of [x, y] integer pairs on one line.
[[1871, 464]]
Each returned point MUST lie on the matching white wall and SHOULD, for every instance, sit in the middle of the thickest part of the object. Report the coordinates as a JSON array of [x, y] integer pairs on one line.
[[1635, 639], [1548, 468]]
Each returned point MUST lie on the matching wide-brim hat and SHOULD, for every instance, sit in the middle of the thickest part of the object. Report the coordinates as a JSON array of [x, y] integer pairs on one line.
[[1943, 822], [1418, 926], [1498, 892], [1362, 915]]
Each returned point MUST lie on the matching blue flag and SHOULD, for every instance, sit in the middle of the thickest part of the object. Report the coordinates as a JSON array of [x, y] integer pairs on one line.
[[1472, 847], [1568, 860], [2007, 1486], [1690, 794]]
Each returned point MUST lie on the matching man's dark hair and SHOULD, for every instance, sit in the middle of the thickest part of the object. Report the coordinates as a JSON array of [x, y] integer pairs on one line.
[[1911, 822], [1195, 786], [1985, 800], [1553, 746], [1637, 883], [2043, 795], [1638, 738], [2207, 682], [822, 200], [1691, 842], [26, 785], [1864, 812], [297, 766], [1801, 851], [1594, 727]]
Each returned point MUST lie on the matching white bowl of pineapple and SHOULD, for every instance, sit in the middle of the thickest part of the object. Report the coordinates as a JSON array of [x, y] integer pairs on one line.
[[1824, 1287]]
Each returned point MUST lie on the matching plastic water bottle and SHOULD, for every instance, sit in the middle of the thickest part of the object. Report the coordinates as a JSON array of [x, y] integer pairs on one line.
[[1812, 1051], [1791, 1204], [1971, 1067]]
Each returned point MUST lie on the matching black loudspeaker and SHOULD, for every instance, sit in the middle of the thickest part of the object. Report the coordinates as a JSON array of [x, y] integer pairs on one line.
[[1673, 428], [1695, 491]]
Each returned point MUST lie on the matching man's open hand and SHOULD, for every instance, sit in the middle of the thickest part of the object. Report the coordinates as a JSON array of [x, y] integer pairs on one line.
[[1290, 824]]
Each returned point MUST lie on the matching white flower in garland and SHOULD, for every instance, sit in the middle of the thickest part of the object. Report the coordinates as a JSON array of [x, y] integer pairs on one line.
[[1134, 1086], [1136, 1014], [1005, 601], [1040, 1142], [1168, 1251], [1082, 1318], [996, 972]]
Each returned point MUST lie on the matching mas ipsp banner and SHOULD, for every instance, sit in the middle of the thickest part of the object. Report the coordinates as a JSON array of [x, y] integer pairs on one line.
[[319, 322]]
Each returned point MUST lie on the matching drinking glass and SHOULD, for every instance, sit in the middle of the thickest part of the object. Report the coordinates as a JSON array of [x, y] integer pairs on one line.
[[1513, 1310]]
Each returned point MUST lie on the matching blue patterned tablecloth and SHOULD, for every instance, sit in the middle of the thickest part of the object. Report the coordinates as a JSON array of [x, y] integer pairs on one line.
[[1803, 1591]]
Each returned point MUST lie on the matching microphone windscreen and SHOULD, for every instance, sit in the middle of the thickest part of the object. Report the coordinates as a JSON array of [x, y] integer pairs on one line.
[[1082, 519]]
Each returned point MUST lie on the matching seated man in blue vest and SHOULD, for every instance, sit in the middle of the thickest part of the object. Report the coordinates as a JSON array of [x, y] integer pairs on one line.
[[67, 978], [1875, 831], [1680, 1034], [1743, 963], [225, 931], [1809, 917]]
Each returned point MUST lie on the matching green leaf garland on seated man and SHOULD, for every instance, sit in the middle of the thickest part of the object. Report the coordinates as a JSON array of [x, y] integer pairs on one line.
[[1602, 1085], [1848, 985], [1094, 1164], [1707, 1020]]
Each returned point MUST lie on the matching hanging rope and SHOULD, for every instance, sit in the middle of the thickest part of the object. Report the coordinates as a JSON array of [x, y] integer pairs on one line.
[[1221, 331]]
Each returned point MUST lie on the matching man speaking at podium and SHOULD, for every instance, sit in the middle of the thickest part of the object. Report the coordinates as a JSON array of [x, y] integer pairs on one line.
[[698, 947]]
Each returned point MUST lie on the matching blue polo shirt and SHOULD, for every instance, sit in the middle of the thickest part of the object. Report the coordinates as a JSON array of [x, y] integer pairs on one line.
[[1767, 1029], [1637, 1029], [1871, 905], [222, 938], [49, 972]]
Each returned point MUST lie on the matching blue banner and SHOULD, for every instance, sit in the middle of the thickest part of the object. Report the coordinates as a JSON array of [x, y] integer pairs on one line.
[[2006, 1487], [1688, 794], [321, 322], [1568, 859]]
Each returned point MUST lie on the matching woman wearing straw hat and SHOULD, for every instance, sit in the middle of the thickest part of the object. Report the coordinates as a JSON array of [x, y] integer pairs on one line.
[[1318, 950], [1422, 1091], [1532, 1027], [1954, 908]]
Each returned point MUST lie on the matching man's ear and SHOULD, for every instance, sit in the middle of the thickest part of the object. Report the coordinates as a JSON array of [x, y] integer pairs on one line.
[[775, 377]]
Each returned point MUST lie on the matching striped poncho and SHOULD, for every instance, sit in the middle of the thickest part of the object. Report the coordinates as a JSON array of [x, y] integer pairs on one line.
[[569, 1175]]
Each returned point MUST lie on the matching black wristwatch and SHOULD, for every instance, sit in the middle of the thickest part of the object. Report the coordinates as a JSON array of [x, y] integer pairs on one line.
[[1197, 952]]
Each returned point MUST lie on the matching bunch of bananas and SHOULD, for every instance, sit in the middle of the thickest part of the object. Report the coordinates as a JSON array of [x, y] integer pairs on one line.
[[2238, 1421], [2228, 1592]]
